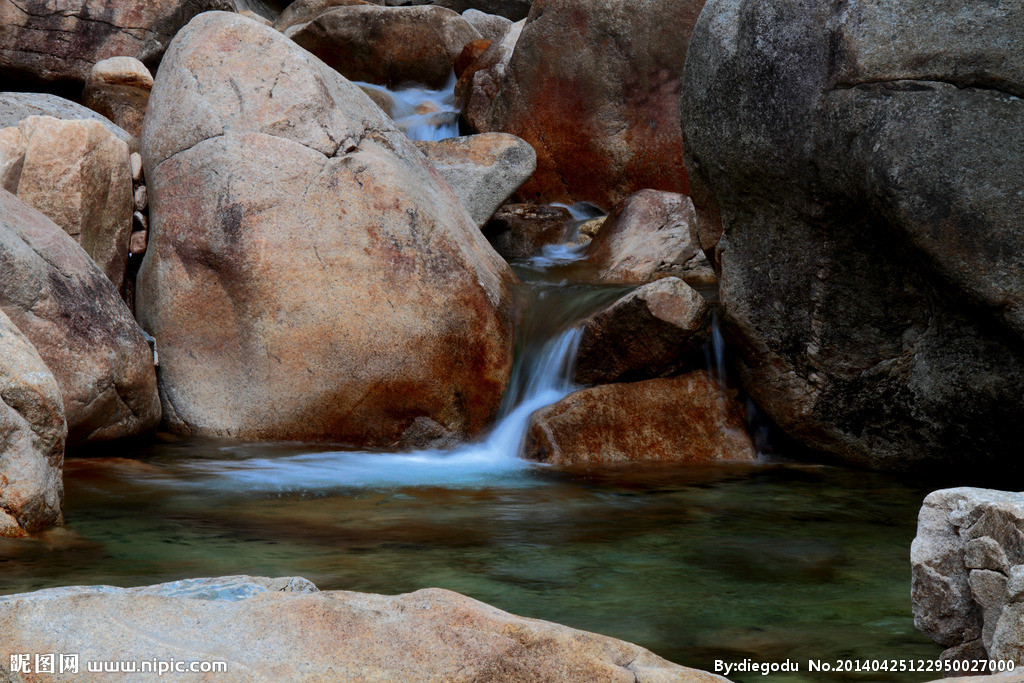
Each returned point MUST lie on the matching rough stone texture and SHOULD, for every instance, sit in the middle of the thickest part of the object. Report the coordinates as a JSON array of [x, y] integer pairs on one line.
[[520, 230], [594, 87], [648, 236], [491, 27], [864, 160], [389, 45], [651, 332], [118, 88], [48, 43], [484, 170], [79, 176], [304, 11], [121, 71], [60, 299], [968, 573], [302, 248], [286, 630], [32, 433], [685, 419], [480, 82], [18, 106], [515, 10]]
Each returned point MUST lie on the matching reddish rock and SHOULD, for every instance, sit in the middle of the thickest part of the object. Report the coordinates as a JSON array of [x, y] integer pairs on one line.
[[519, 230]]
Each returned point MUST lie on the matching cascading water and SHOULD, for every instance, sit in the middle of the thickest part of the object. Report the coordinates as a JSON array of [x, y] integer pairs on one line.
[[420, 113]]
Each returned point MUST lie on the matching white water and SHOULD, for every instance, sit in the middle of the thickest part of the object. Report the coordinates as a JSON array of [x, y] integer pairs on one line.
[[421, 113]]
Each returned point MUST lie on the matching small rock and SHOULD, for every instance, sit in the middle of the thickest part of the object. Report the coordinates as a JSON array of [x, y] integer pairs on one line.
[[136, 162], [120, 71], [139, 221], [141, 198], [139, 240], [520, 230]]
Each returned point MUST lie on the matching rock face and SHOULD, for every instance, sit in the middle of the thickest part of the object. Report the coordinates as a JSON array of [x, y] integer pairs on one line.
[[968, 573], [818, 133], [79, 176], [41, 44], [651, 332], [61, 301], [118, 88], [480, 82], [491, 27], [284, 629], [514, 10], [648, 236], [520, 230], [32, 432], [484, 170], [18, 106], [389, 45], [304, 11], [684, 419], [594, 87], [302, 248]]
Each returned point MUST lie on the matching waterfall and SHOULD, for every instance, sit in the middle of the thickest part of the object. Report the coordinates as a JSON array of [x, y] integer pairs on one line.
[[420, 113]]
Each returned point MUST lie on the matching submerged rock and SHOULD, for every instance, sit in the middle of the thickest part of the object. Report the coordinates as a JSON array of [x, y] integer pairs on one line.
[[286, 630], [32, 433], [64, 304], [651, 332], [864, 161], [520, 230], [118, 88], [484, 170], [648, 236], [78, 174], [687, 419], [301, 248]]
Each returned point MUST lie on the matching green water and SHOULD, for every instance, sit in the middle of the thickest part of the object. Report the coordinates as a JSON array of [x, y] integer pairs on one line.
[[697, 564]]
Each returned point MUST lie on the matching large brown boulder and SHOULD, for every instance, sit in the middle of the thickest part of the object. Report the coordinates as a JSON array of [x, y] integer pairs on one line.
[[389, 45], [864, 160], [286, 630], [64, 304], [32, 433], [309, 275], [47, 43], [78, 174], [687, 419], [304, 11], [594, 87]]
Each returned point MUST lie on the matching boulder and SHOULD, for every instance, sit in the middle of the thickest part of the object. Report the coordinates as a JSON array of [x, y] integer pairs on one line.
[[491, 27], [514, 10], [520, 230], [302, 12], [653, 331], [687, 419], [389, 45], [78, 174], [42, 44], [594, 87], [118, 88], [64, 304], [484, 170], [15, 107], [648, 236], [32, 433], [286, 630], [858, 173], [302, 248], [968, 573], [479, 83]]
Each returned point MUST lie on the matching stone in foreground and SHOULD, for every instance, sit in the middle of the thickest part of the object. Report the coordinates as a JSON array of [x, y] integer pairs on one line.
[[308, 275], [286, 630], [688, 419], [15, 107]]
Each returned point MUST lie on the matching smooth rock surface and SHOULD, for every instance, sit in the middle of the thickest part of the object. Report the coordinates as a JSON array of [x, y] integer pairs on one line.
[[301, 247], [64, 304], [286, 630], [687, 419], [389, 45], [18, 106], [118, 89], [520, 230], [78, 174], [491, 27], [648, 236], [32, 433], [653, 331], [864, 161], [594, 87], [483, 170]]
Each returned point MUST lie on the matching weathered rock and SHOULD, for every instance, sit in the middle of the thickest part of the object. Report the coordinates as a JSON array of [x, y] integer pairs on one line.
[[41, 44], [594, 87], [520, 230], [118, 88], [18, 106], [64, 304], [687, 419], [32, 433], [648, 236], [286, 630], [138, 244], [79, 176], [514, 10], [301, 247], [968, 573], [478, 85], [491, 27], [304, 11], [484, 170], [388, 45], [651, 332], [875, 295]]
